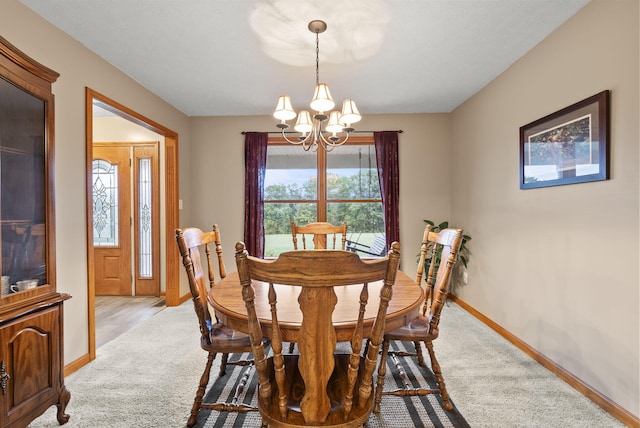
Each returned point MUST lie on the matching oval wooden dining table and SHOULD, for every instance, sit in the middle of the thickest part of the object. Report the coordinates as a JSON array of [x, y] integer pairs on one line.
[[226, 300]]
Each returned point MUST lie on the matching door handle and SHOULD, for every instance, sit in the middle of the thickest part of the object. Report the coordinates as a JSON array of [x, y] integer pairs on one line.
[[4, 377]]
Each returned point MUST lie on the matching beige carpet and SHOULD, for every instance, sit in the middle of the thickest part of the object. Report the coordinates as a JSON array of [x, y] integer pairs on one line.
[[147, 378]]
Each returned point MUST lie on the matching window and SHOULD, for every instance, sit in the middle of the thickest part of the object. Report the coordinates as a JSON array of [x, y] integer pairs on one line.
[[310, 186]]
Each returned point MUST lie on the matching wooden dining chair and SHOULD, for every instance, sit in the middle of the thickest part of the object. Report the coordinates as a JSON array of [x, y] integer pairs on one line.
[[424, 328], [215, 338], [320, 232], [324, 235], [319, 386]]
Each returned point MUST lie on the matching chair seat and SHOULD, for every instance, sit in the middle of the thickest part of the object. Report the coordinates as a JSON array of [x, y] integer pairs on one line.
[[336, 389], [418, 329], [223, 337]]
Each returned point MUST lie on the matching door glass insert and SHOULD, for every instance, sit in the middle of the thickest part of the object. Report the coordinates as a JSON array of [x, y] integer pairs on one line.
[[144, 215], [105, 203]]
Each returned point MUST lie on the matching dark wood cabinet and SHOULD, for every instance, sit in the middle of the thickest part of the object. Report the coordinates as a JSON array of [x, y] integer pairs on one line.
[[31, 373], [31, 308]]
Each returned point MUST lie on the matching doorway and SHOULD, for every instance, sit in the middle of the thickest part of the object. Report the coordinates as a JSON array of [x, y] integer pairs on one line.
[[169, 259], [126, 220]]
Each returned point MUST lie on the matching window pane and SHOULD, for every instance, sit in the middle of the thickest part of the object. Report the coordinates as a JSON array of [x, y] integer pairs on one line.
[[291, 174], [352, 173], [277, 225], [361, 217], [365, 223]]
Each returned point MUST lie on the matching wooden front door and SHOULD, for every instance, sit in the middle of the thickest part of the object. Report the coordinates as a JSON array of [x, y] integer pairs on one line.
[[126, 211], [112, 219]]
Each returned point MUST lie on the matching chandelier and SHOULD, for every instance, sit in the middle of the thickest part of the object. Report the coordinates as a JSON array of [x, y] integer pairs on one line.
[[313, 131]]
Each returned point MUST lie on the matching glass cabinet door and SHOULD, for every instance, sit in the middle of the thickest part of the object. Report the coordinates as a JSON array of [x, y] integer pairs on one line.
[[23, 199]]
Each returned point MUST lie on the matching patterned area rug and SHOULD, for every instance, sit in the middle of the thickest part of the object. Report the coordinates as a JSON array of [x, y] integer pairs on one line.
[[395, 412]]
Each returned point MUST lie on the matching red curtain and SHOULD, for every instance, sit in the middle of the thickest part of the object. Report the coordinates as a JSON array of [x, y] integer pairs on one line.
[[255, 159], [386, 143]]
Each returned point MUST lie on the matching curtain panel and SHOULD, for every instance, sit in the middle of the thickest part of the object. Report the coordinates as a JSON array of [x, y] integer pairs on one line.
[[386, 144], [255, 158]]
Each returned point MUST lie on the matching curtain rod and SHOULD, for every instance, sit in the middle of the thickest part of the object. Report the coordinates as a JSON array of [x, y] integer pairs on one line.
[[399, 131]]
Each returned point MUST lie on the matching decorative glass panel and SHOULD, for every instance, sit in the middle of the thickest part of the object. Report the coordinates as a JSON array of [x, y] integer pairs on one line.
[[105, 204], [144, 218]]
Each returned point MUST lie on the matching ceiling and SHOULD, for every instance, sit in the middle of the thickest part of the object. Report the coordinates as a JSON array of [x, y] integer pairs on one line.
[[234, 57]]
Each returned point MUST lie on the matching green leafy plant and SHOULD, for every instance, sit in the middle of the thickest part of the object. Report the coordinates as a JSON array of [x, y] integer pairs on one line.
[[463, 253]]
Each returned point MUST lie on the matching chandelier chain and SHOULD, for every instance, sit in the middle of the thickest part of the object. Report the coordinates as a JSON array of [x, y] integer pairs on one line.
[[317, 58]]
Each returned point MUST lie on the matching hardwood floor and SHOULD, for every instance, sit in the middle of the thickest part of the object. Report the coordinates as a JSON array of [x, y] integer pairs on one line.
[[117, 314]]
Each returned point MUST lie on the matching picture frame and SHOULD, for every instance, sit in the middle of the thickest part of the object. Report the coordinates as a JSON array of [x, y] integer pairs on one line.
[[567, 147]]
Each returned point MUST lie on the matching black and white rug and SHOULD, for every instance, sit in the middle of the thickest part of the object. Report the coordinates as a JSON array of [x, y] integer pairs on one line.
[[395, 412]]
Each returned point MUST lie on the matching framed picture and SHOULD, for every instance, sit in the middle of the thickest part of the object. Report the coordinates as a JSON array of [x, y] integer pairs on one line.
[[568, 146]]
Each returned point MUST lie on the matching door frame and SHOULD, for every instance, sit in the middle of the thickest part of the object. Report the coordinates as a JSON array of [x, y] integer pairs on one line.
[[172, 262]]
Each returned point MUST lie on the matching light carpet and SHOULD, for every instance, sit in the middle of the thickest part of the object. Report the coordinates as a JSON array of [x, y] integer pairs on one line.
[[147, 377]]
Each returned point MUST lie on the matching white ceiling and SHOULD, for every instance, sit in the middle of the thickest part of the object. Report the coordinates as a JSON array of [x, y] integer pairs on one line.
[[205, 58]]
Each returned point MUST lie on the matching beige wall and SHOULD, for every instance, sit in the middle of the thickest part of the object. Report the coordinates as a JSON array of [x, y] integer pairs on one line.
[[218, 174], [78, 68], [558, 266]]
